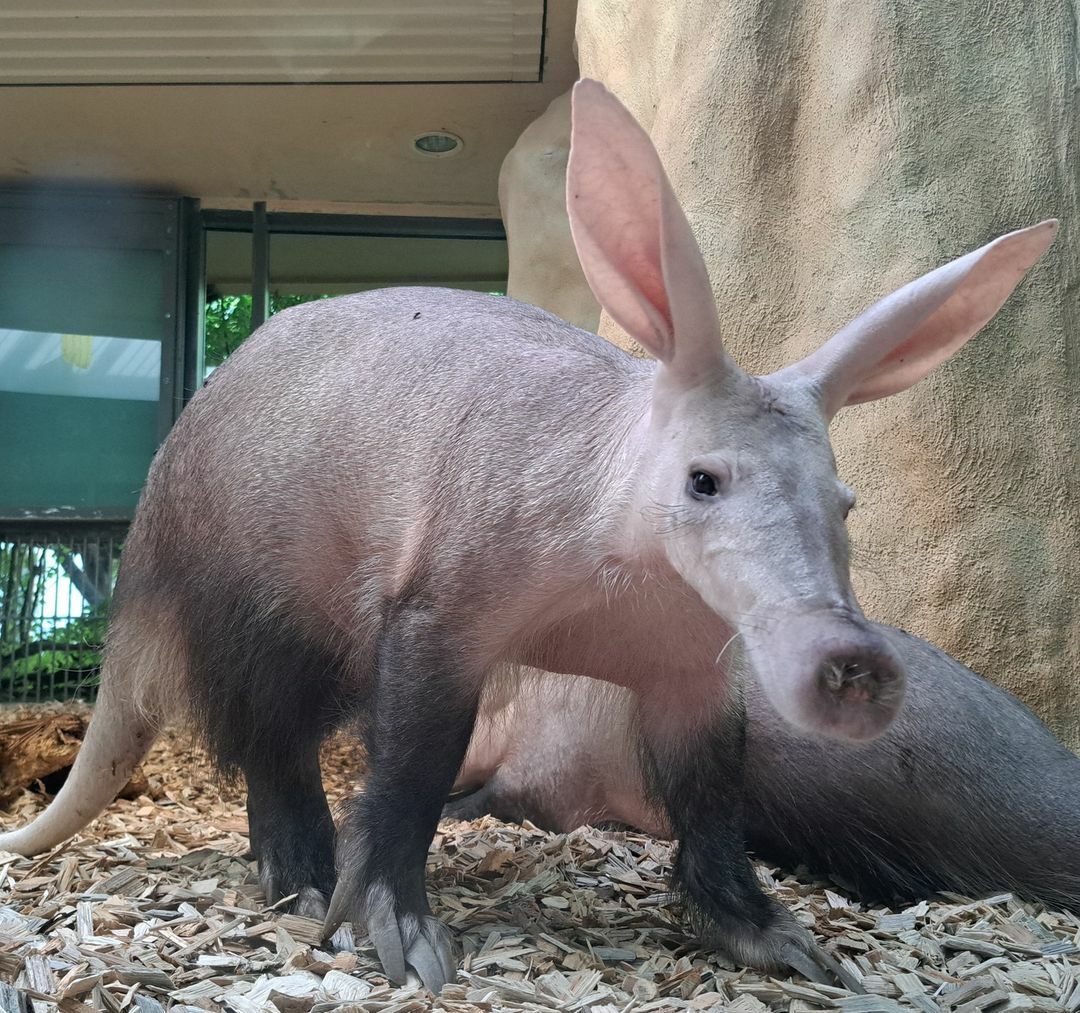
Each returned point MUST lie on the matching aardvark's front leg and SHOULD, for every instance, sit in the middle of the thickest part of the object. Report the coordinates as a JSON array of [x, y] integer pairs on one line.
[[417, 726], [693, 768]]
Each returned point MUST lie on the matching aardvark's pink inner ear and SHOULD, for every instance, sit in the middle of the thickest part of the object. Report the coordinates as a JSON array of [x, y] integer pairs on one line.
[[635, 245], [903, 337]]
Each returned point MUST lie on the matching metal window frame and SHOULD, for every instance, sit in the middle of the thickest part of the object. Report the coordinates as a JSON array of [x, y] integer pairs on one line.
[[394, 226], [261, 225]]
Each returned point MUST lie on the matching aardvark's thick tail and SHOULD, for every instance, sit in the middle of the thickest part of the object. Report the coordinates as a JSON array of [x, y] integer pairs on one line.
[[123, 727]]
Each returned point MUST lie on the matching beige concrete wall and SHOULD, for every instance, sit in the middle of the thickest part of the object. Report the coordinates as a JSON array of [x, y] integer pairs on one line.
[[827, 152]]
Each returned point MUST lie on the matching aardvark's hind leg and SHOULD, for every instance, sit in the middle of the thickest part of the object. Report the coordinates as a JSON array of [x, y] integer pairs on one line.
[[292, 833]]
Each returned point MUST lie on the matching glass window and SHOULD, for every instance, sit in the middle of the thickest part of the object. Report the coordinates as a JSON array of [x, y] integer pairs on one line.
[[313, 265], [80, 364]]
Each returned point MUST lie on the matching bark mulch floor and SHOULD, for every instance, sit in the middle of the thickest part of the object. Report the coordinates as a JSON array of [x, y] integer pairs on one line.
[[157, 907]]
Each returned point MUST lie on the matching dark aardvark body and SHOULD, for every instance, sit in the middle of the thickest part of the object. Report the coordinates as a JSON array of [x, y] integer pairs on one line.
[[383, 502], [967, 791]]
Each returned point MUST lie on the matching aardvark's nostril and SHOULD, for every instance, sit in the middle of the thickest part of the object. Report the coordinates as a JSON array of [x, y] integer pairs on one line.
[[829, 672], [852, 681]]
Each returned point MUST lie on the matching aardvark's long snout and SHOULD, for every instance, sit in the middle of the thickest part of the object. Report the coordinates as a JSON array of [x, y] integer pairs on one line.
[[829, 671]]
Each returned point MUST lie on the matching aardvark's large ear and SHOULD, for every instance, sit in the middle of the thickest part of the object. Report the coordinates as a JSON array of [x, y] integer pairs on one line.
[[634, 242], [903, 337]]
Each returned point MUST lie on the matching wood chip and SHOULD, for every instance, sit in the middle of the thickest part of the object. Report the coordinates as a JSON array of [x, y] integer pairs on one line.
[[157, 907], [12, 1000]]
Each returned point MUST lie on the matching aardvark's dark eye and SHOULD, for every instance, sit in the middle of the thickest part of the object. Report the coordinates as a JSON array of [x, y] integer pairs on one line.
[[703, 485]]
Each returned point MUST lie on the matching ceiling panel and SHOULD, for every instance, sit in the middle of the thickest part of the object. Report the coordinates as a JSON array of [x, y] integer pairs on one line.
[[253, 42], [316, 146]]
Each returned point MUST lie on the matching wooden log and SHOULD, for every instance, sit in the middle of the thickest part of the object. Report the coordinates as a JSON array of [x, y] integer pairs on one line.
[[36, 747]]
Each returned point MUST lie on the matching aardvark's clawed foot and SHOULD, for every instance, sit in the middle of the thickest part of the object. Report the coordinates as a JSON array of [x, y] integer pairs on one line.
[[307, 901], [401, 938], [783, 946]]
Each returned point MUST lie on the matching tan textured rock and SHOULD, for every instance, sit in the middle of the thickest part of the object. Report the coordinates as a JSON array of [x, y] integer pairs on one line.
[[544, 269], [825, 154]]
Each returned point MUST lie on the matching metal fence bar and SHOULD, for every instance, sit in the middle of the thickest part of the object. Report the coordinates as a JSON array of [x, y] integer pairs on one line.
[[55, 589]]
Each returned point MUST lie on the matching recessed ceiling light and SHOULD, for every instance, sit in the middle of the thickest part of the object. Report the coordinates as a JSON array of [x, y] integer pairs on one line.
[[438, 144]]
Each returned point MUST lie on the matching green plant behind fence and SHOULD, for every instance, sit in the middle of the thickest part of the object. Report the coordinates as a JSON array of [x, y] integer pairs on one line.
[[54, 598]]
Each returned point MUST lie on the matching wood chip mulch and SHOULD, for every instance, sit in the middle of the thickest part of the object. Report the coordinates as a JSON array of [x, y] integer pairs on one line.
[[157, 907]]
